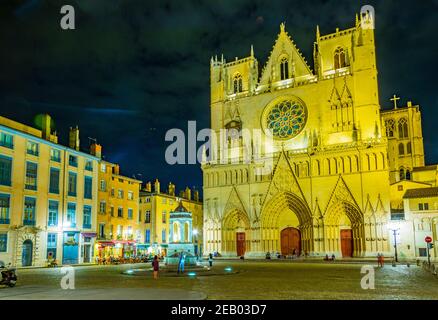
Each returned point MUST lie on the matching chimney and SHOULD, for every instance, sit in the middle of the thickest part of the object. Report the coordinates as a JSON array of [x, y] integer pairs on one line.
[[116, 169], [46, 129], [196, 195], [148, 187], [171, 189], [157, 186], [188, 193], [74, 138], [96, 150]]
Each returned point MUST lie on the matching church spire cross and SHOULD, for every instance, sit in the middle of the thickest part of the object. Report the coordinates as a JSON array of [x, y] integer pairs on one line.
[[395, 99]]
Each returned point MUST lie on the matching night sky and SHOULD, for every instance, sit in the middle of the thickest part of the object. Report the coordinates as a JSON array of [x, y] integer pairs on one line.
[[134, 69]]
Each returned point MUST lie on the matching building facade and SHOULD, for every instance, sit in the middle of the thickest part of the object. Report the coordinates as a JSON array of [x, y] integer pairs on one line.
[[156, 206], [47, 196], [119, 225], [314, 191]]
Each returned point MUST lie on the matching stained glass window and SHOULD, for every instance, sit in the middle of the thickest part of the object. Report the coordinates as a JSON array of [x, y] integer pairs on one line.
[[286, 119]]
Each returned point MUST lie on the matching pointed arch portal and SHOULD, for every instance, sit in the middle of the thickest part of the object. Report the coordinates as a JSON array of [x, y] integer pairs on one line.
[[236, 233], [286, 225]]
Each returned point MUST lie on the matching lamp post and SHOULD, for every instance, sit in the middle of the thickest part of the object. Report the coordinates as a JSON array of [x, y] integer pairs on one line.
[[394, 232], [395, 228]]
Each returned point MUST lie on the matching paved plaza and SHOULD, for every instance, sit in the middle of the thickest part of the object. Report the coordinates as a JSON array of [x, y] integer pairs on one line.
[[248, 280]]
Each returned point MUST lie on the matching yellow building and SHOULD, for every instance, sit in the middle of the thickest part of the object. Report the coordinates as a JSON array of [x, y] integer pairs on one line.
[[119, 224], [330, 172], [405, 140], [312, 189], [156, 206], [47, 196]]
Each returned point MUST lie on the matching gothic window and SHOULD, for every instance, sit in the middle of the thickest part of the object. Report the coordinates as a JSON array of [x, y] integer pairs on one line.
[[408, 174], [402, 174], [401, 149], [237, 83], [402, 128], [408, 148], [390, 127], [284, 69], [340, 61]]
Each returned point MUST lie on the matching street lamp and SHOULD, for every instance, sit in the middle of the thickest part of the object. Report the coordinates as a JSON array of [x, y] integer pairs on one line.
[[395, 229]]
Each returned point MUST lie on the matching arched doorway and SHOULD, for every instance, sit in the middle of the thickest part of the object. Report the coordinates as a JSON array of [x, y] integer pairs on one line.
[[26, 254], [235, 234], [344, 229], [285, 225], [290, 239]]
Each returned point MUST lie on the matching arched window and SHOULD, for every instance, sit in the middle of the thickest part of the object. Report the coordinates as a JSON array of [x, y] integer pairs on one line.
[[402, 128], [340, 61], [284, 69], [401, 149], [408, 174], [237, 83], [390, 127], [408, 148], [402, 174]]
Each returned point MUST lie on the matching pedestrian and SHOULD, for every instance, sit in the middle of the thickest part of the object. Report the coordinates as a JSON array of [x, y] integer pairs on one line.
[[156, 266], [179, 262], [210, 260], [382, 260], [183, 260]]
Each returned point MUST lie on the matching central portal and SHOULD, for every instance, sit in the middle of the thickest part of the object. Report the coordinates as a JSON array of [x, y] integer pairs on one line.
[[290, 241]]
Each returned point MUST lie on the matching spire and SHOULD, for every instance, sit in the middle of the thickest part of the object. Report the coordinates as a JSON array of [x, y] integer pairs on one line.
[[318, 35], [357, 20], [282, 27], [222, 58], [252, 51]]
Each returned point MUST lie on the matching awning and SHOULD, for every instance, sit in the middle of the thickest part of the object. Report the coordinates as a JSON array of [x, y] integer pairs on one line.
[[143, 245], [89, 234]]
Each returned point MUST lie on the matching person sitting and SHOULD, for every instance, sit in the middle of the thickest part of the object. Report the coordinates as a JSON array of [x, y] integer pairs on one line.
[[268, 255], [326, 258], [333, 257]]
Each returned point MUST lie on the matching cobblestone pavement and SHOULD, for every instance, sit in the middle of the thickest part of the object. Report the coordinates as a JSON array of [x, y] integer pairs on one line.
[[253, 280]]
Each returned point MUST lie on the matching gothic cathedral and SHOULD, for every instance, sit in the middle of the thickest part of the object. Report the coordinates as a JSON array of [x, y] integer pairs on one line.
[[327, 190]]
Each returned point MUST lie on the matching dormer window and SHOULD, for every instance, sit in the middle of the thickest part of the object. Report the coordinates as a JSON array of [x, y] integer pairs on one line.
[[284, 69], [237, 83], [340, 61]]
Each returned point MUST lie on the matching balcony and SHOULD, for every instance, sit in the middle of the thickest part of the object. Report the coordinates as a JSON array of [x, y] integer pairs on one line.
[[5, 221], [27, 222]]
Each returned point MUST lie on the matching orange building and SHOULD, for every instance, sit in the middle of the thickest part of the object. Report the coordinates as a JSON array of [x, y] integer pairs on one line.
[[118, 220]]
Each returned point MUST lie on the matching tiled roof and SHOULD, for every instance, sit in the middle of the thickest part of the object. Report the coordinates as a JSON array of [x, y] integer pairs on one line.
[[421, 193]]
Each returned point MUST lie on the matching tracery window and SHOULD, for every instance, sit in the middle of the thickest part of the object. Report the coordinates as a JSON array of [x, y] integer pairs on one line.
[[286, 119], [401, 149], [409, 148], [402, 128], [237, 83], [390, 127], [402, 174], [340, 61], [284, 69]]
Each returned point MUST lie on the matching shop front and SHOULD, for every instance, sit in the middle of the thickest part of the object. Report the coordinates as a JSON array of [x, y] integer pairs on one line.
[[116, 249]]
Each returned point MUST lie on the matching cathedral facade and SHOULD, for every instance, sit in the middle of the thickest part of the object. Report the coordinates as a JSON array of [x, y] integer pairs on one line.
[[324, 185]]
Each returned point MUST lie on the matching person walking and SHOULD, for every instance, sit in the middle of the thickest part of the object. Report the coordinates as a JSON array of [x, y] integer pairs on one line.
[[210, 260], [156, 267]]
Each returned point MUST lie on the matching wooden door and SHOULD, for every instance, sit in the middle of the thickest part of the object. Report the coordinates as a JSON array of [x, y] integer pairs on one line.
[[290, 239], [347, 242], [240, 243]]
